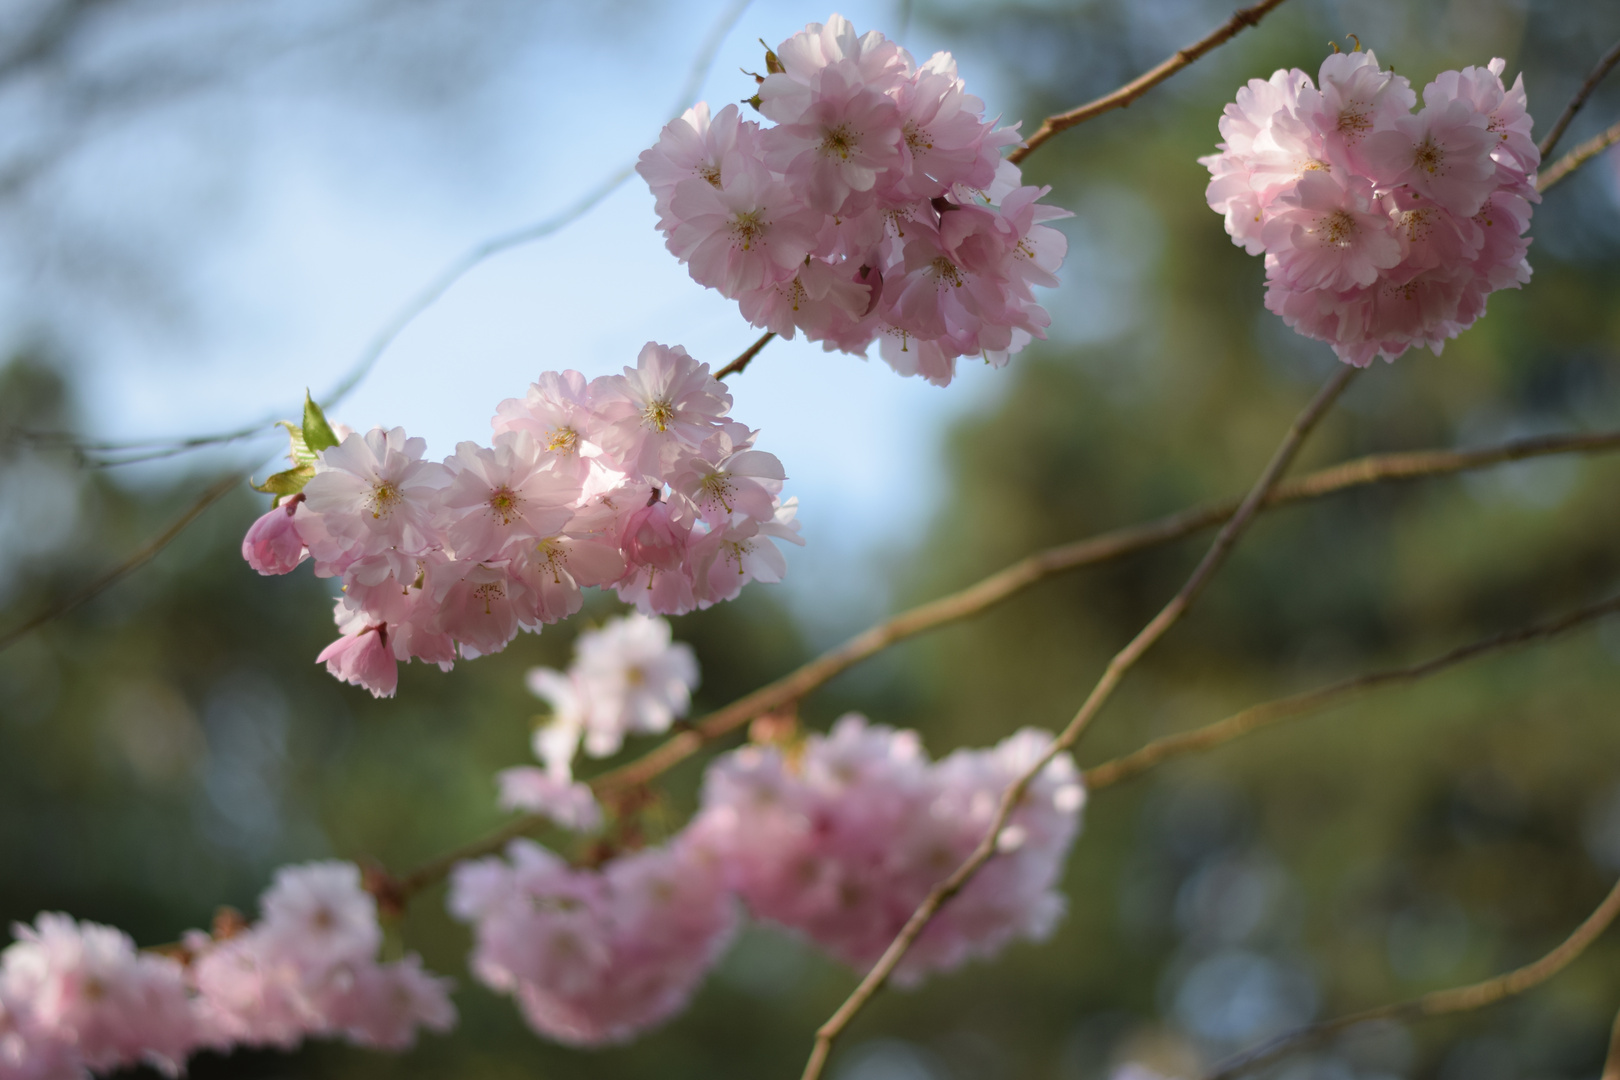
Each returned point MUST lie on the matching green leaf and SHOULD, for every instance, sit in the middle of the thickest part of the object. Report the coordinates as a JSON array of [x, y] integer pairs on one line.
[[298, 450], [318, 434], [289, 482]]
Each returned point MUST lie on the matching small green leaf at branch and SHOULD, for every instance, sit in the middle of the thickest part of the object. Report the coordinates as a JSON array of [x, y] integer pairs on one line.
[[318, 434]]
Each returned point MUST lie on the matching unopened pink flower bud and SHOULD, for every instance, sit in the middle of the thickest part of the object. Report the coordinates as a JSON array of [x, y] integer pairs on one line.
[[272, 544]]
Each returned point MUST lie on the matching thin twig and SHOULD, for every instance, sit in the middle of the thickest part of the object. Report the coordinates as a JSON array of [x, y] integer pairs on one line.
[[1611, 1065], [1122, 662], [1125, 95], [1577, 157], [1440, 1002], [1610, 58], [736, 366], [1271, 712], [985, 594], [208, 498]]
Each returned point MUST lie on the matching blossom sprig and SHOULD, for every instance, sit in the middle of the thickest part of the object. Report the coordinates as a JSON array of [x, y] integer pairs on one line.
[[877, 207], [638, 482], [1381, 228], [77, 997]]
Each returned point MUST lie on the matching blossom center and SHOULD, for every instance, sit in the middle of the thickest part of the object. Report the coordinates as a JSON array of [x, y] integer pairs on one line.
[[563, 440], [489, 592], [747, 229], [385, 495], [658, 414], [838, 141], [1338, 228], [1429, 157], [1355, 120], [505, 505], [917, 138], [718, 488], [947, 271], [711, 173]]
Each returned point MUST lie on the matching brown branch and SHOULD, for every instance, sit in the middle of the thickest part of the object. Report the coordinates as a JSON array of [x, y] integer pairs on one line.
[[1122, 662], [1611, 1066], [145, 555], [1271, 712], [1125, 95], [737, 365], [1610, 58], [987, 593], [1577, 157], [1440, 1002]]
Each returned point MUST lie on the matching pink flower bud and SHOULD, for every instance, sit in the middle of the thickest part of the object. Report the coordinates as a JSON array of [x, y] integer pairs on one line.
[[272, 544]]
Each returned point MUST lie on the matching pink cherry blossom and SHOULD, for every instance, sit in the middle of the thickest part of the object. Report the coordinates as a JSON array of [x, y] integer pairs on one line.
[[569, 804], [1328, 233], [376, 490], [750, 232], [505, 495], [694, 147], [272, 544], [364, 659], [841, 138]]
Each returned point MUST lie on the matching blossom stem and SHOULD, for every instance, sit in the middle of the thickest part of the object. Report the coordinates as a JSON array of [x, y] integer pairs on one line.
[[1440, 1002], [1288, 708], [1115, 672], [1008, 582], [1125, 95], [1604, 66], [1577, 157], [736, 366]]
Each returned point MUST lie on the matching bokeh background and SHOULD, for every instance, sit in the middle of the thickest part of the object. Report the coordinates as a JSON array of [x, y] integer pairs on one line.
[[206, 207]]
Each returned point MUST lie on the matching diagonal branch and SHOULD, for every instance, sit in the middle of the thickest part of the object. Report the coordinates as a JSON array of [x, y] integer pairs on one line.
[[1122, 662], [1125, 95], [1272, 712], [218, 490], [1610, 58], [1440, 1002], [736, 366], [1003, 584], [1577, 157]]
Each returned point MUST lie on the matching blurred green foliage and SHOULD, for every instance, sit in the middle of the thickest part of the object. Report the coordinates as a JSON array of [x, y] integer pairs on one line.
[[163, 748]]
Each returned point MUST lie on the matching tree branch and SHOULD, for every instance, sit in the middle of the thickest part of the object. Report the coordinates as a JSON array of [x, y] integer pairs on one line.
[[1577, 157], [1440, 1002], [1272, 712], [1610, 58], [1125, 95], [1122, 662], [1006, 583], [218, 490], [736, 366]]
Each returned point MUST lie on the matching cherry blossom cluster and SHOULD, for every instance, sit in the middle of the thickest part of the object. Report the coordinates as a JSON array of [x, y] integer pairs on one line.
[[594, 956], [1382, 228], [843, 841], [627, 676], [877, 206], [77, 997], [637, 482], [839, 838]]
